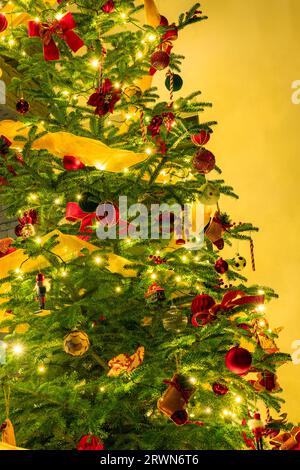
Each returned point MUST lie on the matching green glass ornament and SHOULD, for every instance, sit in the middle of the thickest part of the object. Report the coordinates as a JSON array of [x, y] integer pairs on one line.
[[177, 82]]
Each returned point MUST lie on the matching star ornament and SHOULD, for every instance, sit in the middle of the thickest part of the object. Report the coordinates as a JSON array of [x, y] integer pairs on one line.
[[105, 98]]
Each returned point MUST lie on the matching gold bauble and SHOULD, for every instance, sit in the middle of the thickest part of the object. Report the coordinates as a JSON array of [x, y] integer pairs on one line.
[[76, 343]]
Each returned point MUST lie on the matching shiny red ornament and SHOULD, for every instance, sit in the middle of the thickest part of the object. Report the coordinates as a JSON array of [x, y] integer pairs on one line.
[[22, 106], [108, 7], [221, 266], [90, 442], [201, 138], [220, 389], [204, 161], [160, 60], [3, 22], [202, 303], [72, 163], [105, 98], [238, 360]]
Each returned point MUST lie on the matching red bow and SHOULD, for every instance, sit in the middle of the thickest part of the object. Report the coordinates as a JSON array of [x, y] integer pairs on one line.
[[61, 28], [75, 214], [231, 299]]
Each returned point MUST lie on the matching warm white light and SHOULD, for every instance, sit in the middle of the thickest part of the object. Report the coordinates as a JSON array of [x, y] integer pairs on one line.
[[117, 85], [126, 170], [225, 412], [102, 389], [17, 271], [123, 15], [65, 92], [98, 260], [139, 55], [193, 380], [196, 258], [184, 258], [128, 116], [4, 345], [59, 16], [57, 201], [261, 292], [151, 37], [262, 323], [64, 273], [37, 20], [41, 369], [11, 42], [238, 399], [178, 278], [18, 349], [100, 166], [78, 197], [148, 151], [118, 289], [33, 197], [38, 240], [153, 276], [208, 410], [261, 308], [95, 63]]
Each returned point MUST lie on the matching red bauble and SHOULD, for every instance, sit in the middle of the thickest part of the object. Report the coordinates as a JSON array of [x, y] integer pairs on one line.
[[238, 360], [219, 389], [160, 60], [108, 7], [72, 163], [201, 138], [204, 161], [221, 266], [3, 23], [90, 442], [202, 303], [22, 106], [180, 242]]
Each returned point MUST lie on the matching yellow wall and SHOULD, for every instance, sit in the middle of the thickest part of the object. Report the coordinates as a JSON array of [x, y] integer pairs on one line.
[[245, 59]]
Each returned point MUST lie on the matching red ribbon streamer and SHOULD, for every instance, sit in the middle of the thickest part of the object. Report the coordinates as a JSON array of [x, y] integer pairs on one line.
[[62, 28], [75, 214], [231, 299]]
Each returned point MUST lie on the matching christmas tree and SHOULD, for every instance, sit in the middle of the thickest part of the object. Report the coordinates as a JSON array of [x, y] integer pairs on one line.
[[111, 339]]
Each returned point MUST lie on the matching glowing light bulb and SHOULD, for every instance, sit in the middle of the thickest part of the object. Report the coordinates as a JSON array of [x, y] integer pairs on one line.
[[238, 399], [59, 16], [126, 170], [128, 116], [139, 55], [117, 85], [118, 289], [261, 292], [193, 380], [11, 42], [262, 323], [208, 410], [65, 92], [64, 273], [261, 308], [178, 278], [123, 15], [148, 151], [184, 258], [57, 201], [100, 166], [98, 260], [225, 412], [41, 369], [95, 63], [153, 276], [151, 37], [78, 197], [37, 20], [196, 258], [102, 389], [38, 240], [4, 345], [18, 349]]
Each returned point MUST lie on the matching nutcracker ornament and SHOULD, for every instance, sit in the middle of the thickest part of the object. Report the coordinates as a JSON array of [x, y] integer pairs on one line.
[[258, 429], [175, 399], [41, 290]]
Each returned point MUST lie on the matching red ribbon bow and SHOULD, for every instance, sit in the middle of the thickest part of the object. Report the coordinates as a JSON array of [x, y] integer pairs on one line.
[[62, 28], [230, 299], [75, 214]]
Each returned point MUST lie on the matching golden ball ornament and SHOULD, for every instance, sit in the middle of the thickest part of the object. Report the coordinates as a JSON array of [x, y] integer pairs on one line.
[[76, 343]]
